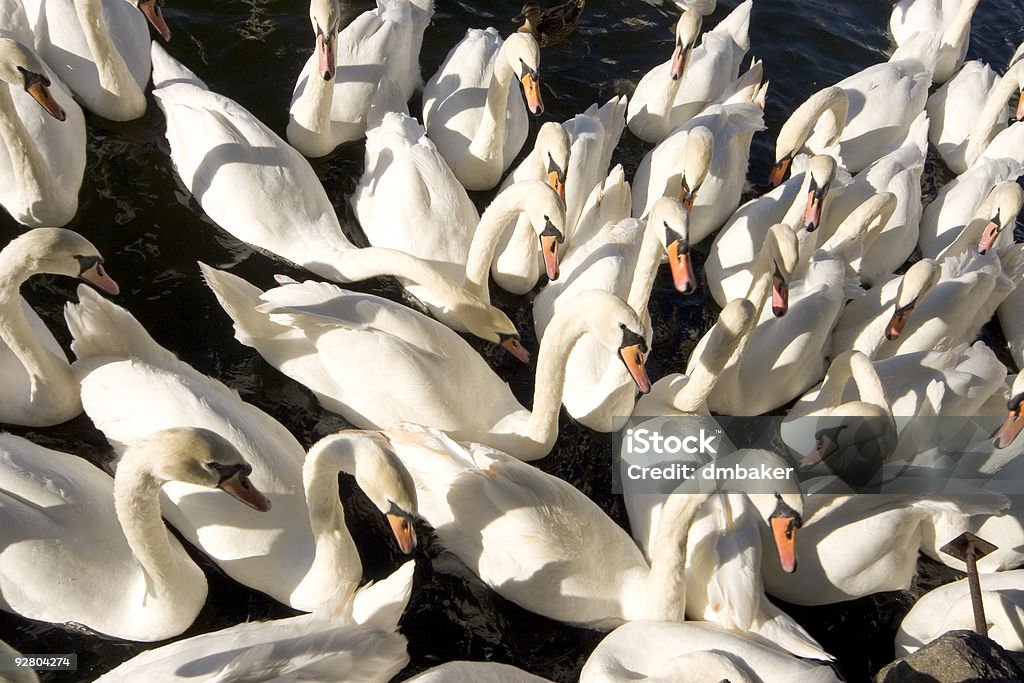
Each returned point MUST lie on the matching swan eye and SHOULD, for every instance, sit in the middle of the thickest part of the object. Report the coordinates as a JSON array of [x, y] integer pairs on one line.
[[32, 78]]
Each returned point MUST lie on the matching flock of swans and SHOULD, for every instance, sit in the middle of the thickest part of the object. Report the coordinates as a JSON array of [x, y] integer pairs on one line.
[[842, 294]]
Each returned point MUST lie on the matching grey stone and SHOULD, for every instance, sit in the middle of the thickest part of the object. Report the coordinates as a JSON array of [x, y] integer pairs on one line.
[[954, 657]]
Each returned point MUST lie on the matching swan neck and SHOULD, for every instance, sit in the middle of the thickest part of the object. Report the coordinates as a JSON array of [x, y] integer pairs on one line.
[[562, 334], [505, 209], [869, 386], [701, 381], [958, 28], [666, 583], [487, 142], [660, 105], [645, 271], [992, 116], [31, 172], [335, 548], [16, 332], [840, 371], [114, 76], [313, 109], [370, 262]]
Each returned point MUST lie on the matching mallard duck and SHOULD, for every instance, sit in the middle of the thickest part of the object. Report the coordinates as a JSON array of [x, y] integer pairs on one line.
[[550, 26]]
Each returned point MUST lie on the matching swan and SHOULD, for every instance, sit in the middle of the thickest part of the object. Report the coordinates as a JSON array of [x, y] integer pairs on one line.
[[948, 608], [622, 260], [261, 190], [313, 332], [723, 548], [586, 142], [477, 672], [608, 203], [816, 124], [784, 356], [882, 312], [476, 120], [437, 221], [802, 201], [970, 110], [539, 542], [94, 551], [99, 49], [39, 387], [982, 194], [947, 23], [675, 91], [300, 553], [1011, 320], [332, 96], [730, 129], [694, 653], [42, 158], [325, 645]]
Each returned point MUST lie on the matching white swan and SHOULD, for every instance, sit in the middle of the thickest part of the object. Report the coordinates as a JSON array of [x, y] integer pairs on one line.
[[946, 23], [1011, 320], [815, 126], [436, 220], [693, 653], [100, 49], [93, 550], [724, 168], [311, 647], [970, 110], [948, 608], [538, 541], [39, 387], [476, 672], [982, 194], [261, 190], [300, 553], [379, 364], [622, 260], [675, 91], [332, 96], [42, 158], [476, 120], [802, 201]]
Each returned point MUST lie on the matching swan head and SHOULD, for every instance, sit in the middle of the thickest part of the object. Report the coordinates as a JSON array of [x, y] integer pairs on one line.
[[829, 107], [697, 158], [62, 252], [523, 54], [616, 326], [821, 171], [1003, 204], [553, 144], [783, 250], [546, 212], [855, 234], [19, 66], [687, 32], [853, 441], [491, 324], [325, 17], [917, 283], [1014, 423], [389, 486], [671, 220], [154, 12], [199, 456]]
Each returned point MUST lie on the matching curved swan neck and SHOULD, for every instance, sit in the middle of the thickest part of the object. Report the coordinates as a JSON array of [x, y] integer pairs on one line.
[[869, 386], [660, 105], [137, 503], [334, 545], [840, 371], [113, 72], [993, 114], [312, 111], [666, 583], [646, 269], [960, 25], [505, 209], [487, 142], [699, 384], [31, 172], [370, 262]]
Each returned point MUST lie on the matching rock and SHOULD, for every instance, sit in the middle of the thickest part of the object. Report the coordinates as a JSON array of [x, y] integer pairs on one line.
[[954, 657]]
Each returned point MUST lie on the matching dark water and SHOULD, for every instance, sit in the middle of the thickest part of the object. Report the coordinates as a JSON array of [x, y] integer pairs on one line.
[[151, 232]]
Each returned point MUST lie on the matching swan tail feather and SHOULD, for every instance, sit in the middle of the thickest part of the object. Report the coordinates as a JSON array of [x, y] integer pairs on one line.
[[380, 604], [784, 632], [240, 300], [101, 328], [167, 69], [613, 117]]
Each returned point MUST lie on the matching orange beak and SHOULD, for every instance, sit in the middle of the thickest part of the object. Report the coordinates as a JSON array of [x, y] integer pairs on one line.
[[779, 171], [405, 534], [822, 450], [549, 247], [784, 531], [989, 237], [98, 276], [238, 486], [780, 296], [680, 57], [687, 196], [557, 184], [896, 324], [41, 94], [325, 57], [1006, 434], [531, 88], [1020, 106], [633, 357], [155, 15], [513, 346], [812, 216], [682, 269]]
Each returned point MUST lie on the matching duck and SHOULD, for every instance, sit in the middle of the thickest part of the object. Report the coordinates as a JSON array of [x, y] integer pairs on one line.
[[469, 111], [324, 645], [539, 542], [984, 194], [692, 652], [334, 91], [40, 388], [622, 260], [695, 77], [947, 23], [970, 110], [300, 552], [551, 26], [949, 608], [270, 197], [100, 50], [310, 332], [42, 158], [489, 672], [81, 529], [801, 202], [724, 134], [437, 221]]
